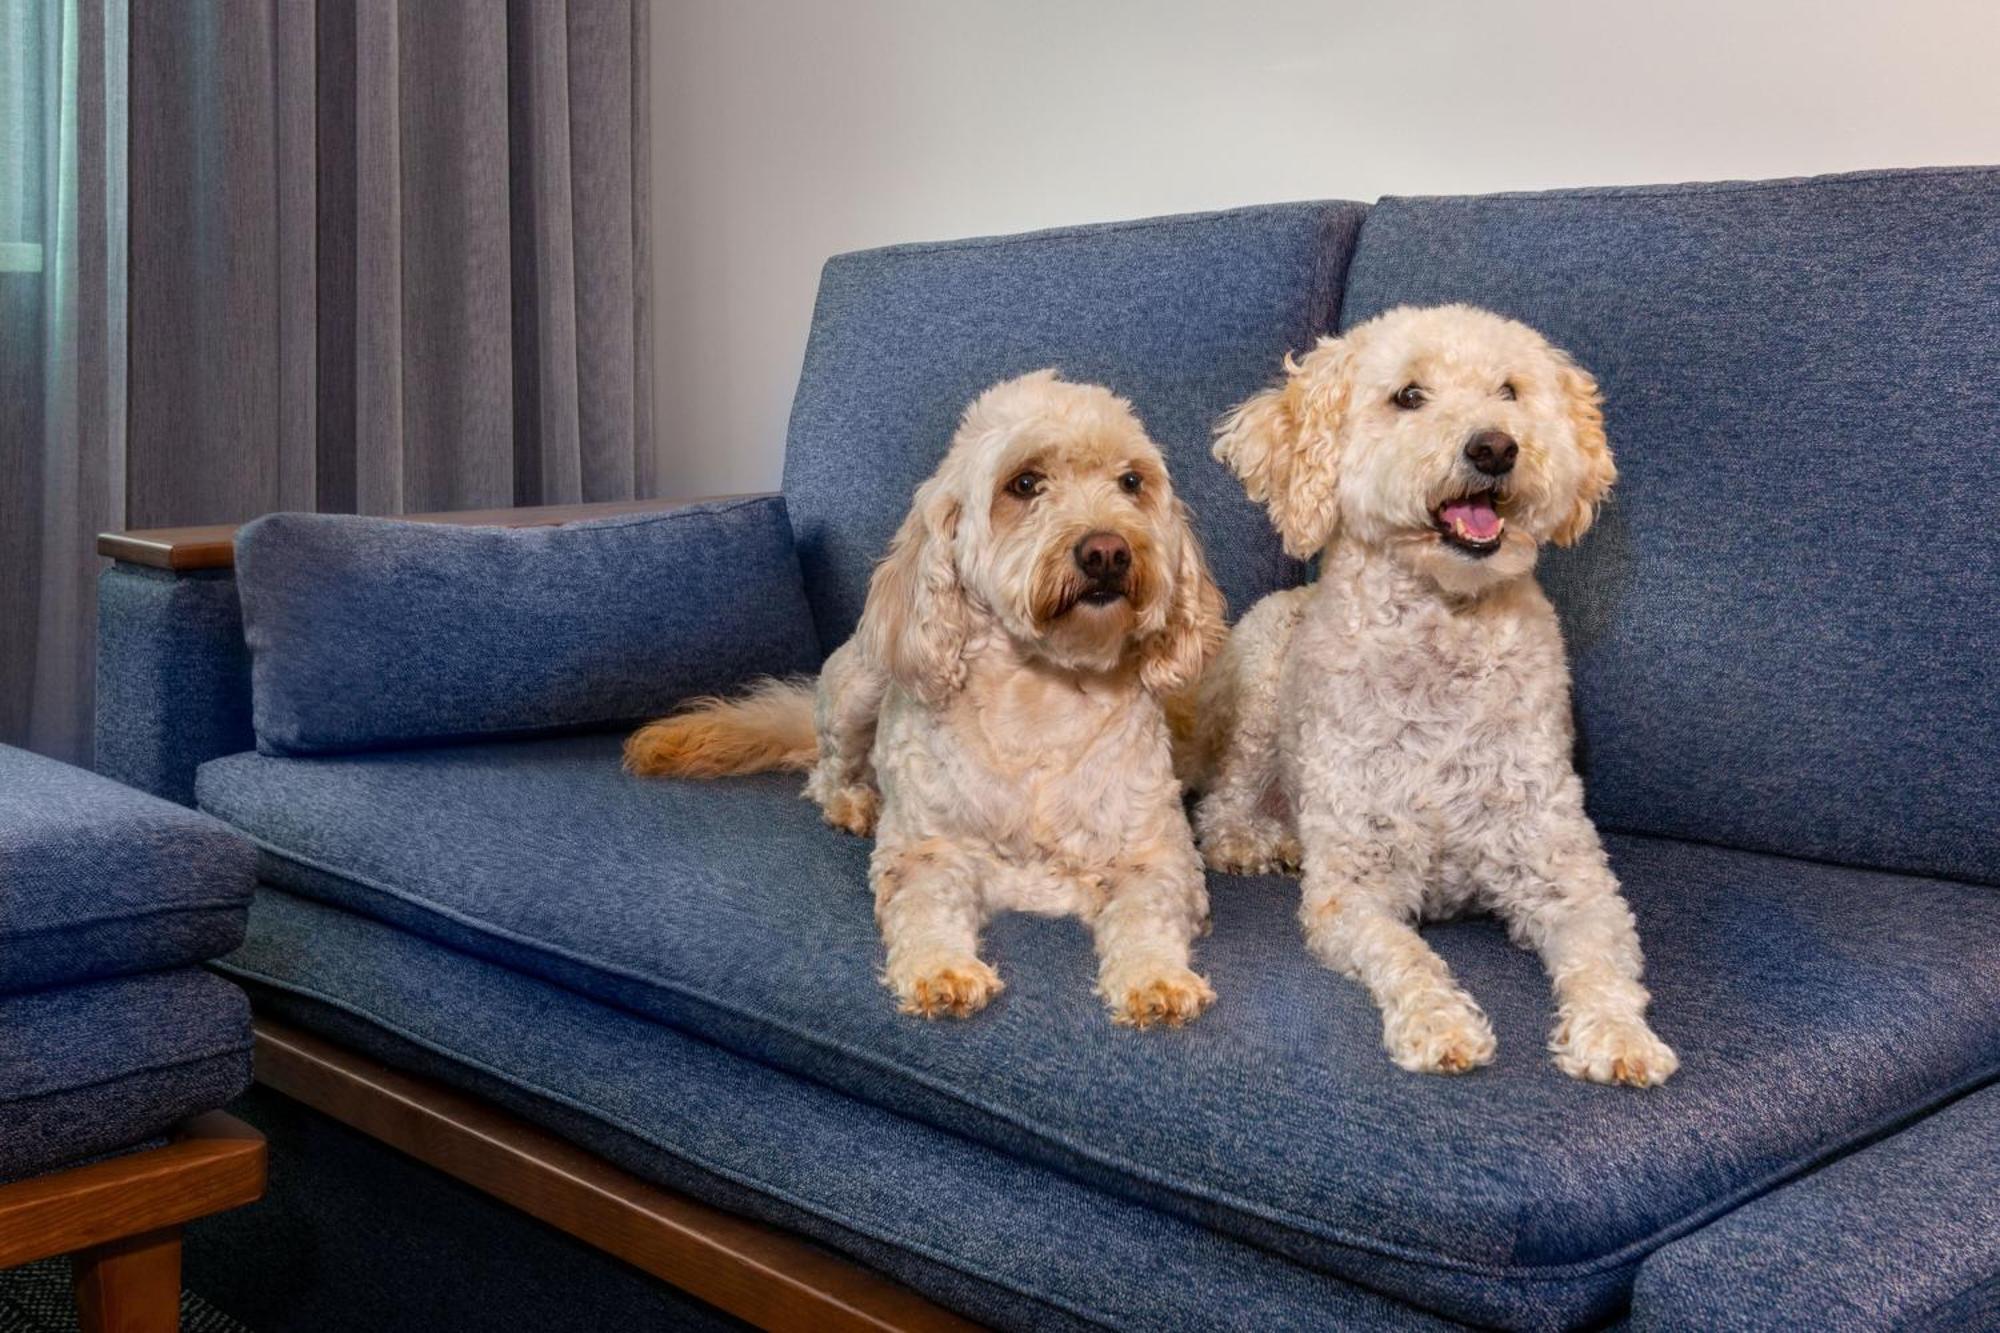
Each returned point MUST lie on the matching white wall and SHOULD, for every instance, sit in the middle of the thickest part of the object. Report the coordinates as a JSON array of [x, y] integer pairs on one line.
[[787, 130]]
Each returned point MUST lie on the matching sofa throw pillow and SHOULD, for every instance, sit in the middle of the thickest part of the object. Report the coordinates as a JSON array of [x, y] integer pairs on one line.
[[368, 633]]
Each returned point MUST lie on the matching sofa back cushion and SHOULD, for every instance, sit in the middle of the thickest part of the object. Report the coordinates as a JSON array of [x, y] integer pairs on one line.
[[1185, 316], [1784, 628], [369, 632]]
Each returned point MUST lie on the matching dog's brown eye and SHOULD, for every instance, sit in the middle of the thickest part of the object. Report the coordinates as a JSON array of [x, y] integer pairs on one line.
[[1410, 397], [1507, 391], [1027, 485], [1131, 482]]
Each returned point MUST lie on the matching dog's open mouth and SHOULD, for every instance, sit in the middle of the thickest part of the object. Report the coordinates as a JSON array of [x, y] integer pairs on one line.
[[1087, 598], [1472, 523]]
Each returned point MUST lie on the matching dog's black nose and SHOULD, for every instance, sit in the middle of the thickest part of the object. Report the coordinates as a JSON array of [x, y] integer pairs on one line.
[[1103, 555], [1492, 452]]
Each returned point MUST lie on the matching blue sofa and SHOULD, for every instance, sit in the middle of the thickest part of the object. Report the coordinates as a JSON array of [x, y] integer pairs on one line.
[[1787, 687]]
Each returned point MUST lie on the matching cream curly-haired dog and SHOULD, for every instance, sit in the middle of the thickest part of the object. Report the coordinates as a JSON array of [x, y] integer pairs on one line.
[[1000, 704], [1401, 727]]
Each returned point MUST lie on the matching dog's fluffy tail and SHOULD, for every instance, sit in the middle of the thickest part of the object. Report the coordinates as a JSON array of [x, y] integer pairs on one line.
[[769, 727]]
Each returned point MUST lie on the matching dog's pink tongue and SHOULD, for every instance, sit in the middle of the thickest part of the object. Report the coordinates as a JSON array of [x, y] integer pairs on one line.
[[1474, 518]]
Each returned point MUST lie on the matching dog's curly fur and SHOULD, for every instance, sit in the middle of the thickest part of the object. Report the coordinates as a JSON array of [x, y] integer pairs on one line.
[[996, 718], [1401, 727]]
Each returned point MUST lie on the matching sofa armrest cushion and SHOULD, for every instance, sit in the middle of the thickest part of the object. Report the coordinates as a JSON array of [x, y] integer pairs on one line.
[[99, 880], [371, 633], [1904, 1233]]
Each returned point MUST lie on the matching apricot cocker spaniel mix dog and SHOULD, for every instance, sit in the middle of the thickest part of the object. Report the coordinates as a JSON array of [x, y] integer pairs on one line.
[[996, 720]]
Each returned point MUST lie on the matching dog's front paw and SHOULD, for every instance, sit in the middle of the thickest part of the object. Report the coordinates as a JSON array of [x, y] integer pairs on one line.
[[954, 988], [1249, 851], [852, 808], [1438, 1034], [1612, 1049], [1143, 998]]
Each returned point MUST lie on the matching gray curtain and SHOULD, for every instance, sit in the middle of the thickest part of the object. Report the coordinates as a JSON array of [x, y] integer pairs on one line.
[[62, 351], [386, 256]]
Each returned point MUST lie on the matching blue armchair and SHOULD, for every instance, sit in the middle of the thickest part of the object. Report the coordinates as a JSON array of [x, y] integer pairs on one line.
[[116, 1048]]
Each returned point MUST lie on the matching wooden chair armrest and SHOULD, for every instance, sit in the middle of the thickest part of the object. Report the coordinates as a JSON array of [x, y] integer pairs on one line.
[[214, 546], [215, 1162]]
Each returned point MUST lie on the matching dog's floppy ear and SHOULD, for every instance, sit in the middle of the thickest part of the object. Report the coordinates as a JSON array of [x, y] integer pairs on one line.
[[914, 624], [1584, 406], [1284, 445], [1194, 628]]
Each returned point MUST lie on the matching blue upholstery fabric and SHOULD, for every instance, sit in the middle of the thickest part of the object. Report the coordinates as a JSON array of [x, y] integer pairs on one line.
[[1183, 315], [93, 1068], [1003, 1241], [1811, 1005], [1977, 1308], [369, 632], [1889, 1237], [1783, 631], [173, 677], [97, 879]]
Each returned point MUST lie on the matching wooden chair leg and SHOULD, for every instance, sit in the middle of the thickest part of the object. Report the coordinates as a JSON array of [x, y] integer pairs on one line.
[[131, 1285]]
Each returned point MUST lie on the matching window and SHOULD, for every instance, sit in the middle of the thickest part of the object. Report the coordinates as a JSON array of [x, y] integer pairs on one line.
[[25, 66]]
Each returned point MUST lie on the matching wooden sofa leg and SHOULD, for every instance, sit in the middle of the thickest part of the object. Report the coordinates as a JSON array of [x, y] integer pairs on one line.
[[131, 1285]]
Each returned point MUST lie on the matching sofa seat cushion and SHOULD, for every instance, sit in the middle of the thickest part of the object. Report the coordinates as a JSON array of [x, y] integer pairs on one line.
[[93, 1068], [1902, 1234], [1811, 1005], [97, 879], [1011, 1244]]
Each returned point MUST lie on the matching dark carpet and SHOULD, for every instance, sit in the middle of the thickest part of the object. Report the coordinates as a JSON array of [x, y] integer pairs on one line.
[[35, 1298]]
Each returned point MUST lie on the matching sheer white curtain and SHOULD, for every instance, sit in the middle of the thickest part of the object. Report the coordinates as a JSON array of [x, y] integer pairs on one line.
[[62, 352]]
